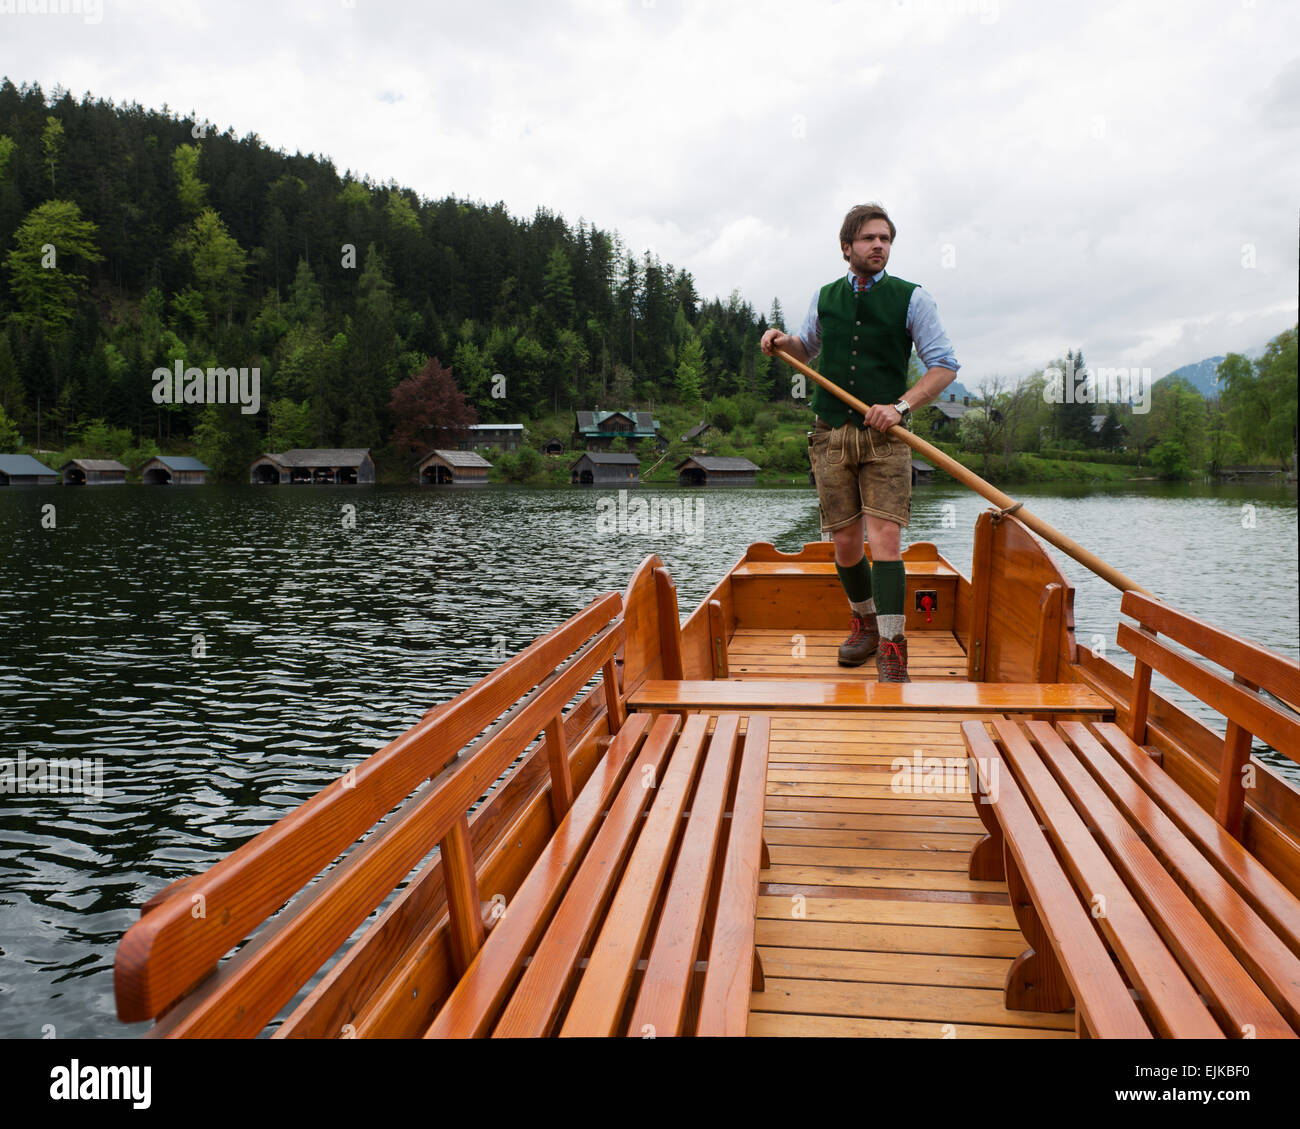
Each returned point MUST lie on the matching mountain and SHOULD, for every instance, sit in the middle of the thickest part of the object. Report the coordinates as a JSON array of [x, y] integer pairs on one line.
[[1202, 375], [956, 388]]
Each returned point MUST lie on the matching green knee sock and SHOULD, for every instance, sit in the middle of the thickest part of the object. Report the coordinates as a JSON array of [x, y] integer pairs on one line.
[[856, 580], [889, 578]]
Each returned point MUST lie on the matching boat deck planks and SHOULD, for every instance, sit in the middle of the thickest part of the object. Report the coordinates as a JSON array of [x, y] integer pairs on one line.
[[756, 653], [867, 923]]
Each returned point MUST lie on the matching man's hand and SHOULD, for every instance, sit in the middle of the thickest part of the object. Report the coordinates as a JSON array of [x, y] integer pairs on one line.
[[882, 417], [774, 339]]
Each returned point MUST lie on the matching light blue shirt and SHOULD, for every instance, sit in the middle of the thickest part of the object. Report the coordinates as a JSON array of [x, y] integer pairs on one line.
[[932, 344]]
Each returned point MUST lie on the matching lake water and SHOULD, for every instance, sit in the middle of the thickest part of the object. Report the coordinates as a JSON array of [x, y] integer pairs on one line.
[[226, 651]]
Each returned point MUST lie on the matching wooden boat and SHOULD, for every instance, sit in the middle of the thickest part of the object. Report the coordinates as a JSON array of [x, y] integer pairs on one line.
[[728, 833]]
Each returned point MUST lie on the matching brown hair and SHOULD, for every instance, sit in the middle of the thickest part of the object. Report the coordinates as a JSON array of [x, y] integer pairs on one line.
[[860, 214]]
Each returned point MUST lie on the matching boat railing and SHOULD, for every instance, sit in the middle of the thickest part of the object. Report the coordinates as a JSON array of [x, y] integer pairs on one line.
[[170, 965], [1239, 697]]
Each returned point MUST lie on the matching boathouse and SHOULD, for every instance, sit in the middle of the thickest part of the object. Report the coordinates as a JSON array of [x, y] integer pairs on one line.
[[23, 470], [553, 446], [453, 468], [330, 466], [606, 468], [922, 472], [93, 472], [502, 436], [715, 470], [174, 470], [597, 430]]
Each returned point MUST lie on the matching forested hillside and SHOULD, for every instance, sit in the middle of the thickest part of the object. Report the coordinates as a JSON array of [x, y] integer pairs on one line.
[[133, 239]]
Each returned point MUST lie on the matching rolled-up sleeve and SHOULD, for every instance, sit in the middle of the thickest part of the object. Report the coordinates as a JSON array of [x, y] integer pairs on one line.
[[932, 344], [810, 333]]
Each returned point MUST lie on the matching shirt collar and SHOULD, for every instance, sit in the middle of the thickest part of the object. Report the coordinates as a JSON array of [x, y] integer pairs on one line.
[[856, 283]]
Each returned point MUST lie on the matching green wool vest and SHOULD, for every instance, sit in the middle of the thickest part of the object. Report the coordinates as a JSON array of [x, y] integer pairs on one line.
[[865, 345]]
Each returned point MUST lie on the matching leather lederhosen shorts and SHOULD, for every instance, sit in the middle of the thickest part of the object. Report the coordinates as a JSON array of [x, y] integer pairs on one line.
[[860, 470]]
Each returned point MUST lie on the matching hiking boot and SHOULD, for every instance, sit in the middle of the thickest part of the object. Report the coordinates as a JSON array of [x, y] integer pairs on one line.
[[891, 660], [861, 643]]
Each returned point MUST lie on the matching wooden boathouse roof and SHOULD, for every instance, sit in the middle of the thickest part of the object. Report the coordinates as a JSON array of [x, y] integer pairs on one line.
[[177, 462], [608, 458], [23, 465], [95, 464], [319, 456], [457, 458], [724, 463]]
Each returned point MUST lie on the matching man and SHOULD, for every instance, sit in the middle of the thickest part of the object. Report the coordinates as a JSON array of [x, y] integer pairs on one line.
[[865, 325]]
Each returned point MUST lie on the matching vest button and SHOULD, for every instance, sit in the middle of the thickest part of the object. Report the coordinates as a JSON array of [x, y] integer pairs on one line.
[[852, 367], [857, 323]]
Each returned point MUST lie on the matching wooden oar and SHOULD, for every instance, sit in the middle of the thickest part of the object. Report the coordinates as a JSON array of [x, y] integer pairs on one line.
[[969, 478]]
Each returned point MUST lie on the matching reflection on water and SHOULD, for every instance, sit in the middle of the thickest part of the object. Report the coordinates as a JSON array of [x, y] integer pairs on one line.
[[226, 651]]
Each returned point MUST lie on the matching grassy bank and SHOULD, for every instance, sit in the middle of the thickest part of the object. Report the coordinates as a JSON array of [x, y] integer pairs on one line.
[[775, 438]]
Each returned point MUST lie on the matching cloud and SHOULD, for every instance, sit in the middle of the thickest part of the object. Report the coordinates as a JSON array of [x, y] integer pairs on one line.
[[1061, 175]]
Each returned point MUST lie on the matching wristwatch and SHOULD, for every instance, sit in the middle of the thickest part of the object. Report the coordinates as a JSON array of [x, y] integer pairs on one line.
[[904, 409]]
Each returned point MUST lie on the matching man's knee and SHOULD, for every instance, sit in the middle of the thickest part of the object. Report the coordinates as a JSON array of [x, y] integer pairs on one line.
[[885, 538], [848, 542]]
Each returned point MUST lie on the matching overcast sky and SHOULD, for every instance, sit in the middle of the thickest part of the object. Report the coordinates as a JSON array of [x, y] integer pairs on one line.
[[1120, 176]]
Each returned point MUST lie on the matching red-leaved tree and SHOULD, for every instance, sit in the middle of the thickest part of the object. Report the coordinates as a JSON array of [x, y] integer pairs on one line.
[[428, 409]]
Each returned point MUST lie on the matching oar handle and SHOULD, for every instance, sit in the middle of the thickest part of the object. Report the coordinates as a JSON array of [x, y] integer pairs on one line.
[[968, 477]]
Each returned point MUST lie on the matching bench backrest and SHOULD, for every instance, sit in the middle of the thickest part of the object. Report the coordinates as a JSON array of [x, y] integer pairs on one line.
[[1238, 699], [185, 931]]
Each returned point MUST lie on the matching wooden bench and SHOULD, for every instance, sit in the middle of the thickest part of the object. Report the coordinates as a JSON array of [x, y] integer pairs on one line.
[[327, 866], [1141, 908], [560, 962], [857, 694]]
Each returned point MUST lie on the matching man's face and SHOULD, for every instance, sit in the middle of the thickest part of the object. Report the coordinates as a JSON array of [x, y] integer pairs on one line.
[[869, 253]]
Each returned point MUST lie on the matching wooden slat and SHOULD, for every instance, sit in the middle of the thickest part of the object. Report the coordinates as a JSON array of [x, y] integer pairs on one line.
[[473, 1005], [884, 911], [1065, 697], [661, 998], [252, 986], [718, 648], [462, 895], [944, 970], [1097, 988], [1169, 997], [981, 594], [1234, 998], [532, 1009], [1266, 957], [795, 1026], [160, 957], [510, 816], [1271, 724], [1048, 650], [1249, 877], [557, 755], [981, 1006], [602, 990], [724, 1005], [670, 628], [1276, 673], [887, 937], [751, 569]]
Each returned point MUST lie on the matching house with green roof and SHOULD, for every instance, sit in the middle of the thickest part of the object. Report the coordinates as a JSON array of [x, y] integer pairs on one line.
[[596, 430]]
